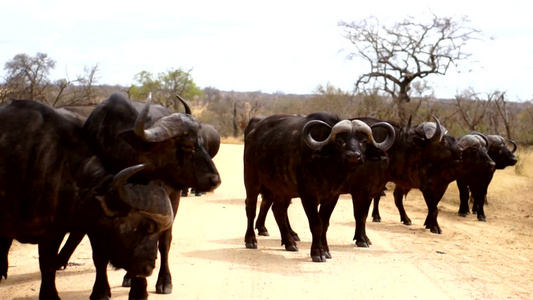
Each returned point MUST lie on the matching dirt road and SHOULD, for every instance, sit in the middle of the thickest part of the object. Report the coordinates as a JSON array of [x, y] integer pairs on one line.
[[470, 260]]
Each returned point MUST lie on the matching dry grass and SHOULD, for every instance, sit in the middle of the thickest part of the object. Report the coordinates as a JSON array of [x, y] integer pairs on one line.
[[232, 140], [525, 162]]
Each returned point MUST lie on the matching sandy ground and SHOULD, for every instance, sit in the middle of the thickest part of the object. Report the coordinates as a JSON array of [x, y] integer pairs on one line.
[[470, 260]]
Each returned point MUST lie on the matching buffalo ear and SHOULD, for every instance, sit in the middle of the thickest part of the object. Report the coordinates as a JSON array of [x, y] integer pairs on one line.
[[134, 140]]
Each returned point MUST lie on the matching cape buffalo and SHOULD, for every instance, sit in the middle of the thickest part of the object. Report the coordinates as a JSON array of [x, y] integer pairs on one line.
[[311, 157], [423, 157], [124, 133], [52, 183], [477, 177]]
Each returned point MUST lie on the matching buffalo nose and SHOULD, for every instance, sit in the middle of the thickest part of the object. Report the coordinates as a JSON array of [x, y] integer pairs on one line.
[[353, 157], [214, 181], [146, 271]]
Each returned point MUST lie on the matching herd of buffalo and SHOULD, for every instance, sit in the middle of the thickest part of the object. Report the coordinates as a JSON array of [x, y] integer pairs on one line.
[[115, 172]]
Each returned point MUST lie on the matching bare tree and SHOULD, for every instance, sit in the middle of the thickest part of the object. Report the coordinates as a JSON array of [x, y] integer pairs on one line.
[[27, 76], [501, 106], [472, 109], [406, 51]]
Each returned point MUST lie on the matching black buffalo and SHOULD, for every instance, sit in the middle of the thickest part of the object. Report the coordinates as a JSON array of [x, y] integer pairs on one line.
[[477, 176], [311, 157], [211, 142], [423, 157], [52, 183], [124, 133]]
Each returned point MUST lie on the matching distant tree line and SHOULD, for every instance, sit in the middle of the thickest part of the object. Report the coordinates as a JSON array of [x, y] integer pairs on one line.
[[27, 77]]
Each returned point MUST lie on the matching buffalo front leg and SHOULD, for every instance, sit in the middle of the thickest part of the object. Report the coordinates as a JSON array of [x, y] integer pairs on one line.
[[138, 289], [464, 195], [5, 244], [361, 206], [310, 204], [432, 198], [326, 209], [47, 258], [398, 200], [164, 279], [101, 288], [74, 239], [376, 217]]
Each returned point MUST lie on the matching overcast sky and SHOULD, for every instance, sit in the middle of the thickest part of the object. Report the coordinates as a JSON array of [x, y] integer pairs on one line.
[[272, 46]]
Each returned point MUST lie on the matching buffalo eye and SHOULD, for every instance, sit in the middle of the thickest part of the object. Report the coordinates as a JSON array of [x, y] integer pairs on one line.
[[148, 226], [187, 148], [340, 142]]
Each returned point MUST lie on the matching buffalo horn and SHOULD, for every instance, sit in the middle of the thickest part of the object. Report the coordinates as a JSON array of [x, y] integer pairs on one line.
[[514, 145], [187, 108], [391, 136], [120, 179], [437, 136], [342, 126], [309, 140], [484, 137], [141, 119]]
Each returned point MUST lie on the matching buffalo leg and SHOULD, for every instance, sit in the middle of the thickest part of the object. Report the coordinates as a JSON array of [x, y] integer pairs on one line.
[[251, 206], [376, 217], [279, 209], [432, 198], [101, 288], [361, 205], [326, 209], [398, 200], [164, 279], [266, 203], [138, 289], [74, 239], [47, 258], [5, 244], [310, 205], [464, 195]]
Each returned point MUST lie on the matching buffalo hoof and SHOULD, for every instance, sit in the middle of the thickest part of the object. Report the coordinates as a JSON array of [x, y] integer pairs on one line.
[[462, 214], [407, 222], [292, 248], [163, 288], [295, 237], [376, 219], [126, 282], [482, 218], [436, 230], [318, 258], [328, 255], [263, 232], [251, 245], [362, 244]]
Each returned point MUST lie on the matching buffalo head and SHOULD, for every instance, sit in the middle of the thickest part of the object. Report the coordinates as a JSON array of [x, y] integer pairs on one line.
[[138, 214], [500, 153], [342, 136], [475, 155]]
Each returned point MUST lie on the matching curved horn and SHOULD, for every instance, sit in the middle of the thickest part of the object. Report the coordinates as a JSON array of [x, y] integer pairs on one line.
[[514, 145], [484, 137], [438, 131], [141, 119], [170, 126], [120, 179], [391, 136], [309, 140], [187, 108]]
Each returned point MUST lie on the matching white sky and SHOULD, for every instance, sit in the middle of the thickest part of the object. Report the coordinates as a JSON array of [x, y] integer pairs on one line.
[[272, 46]]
